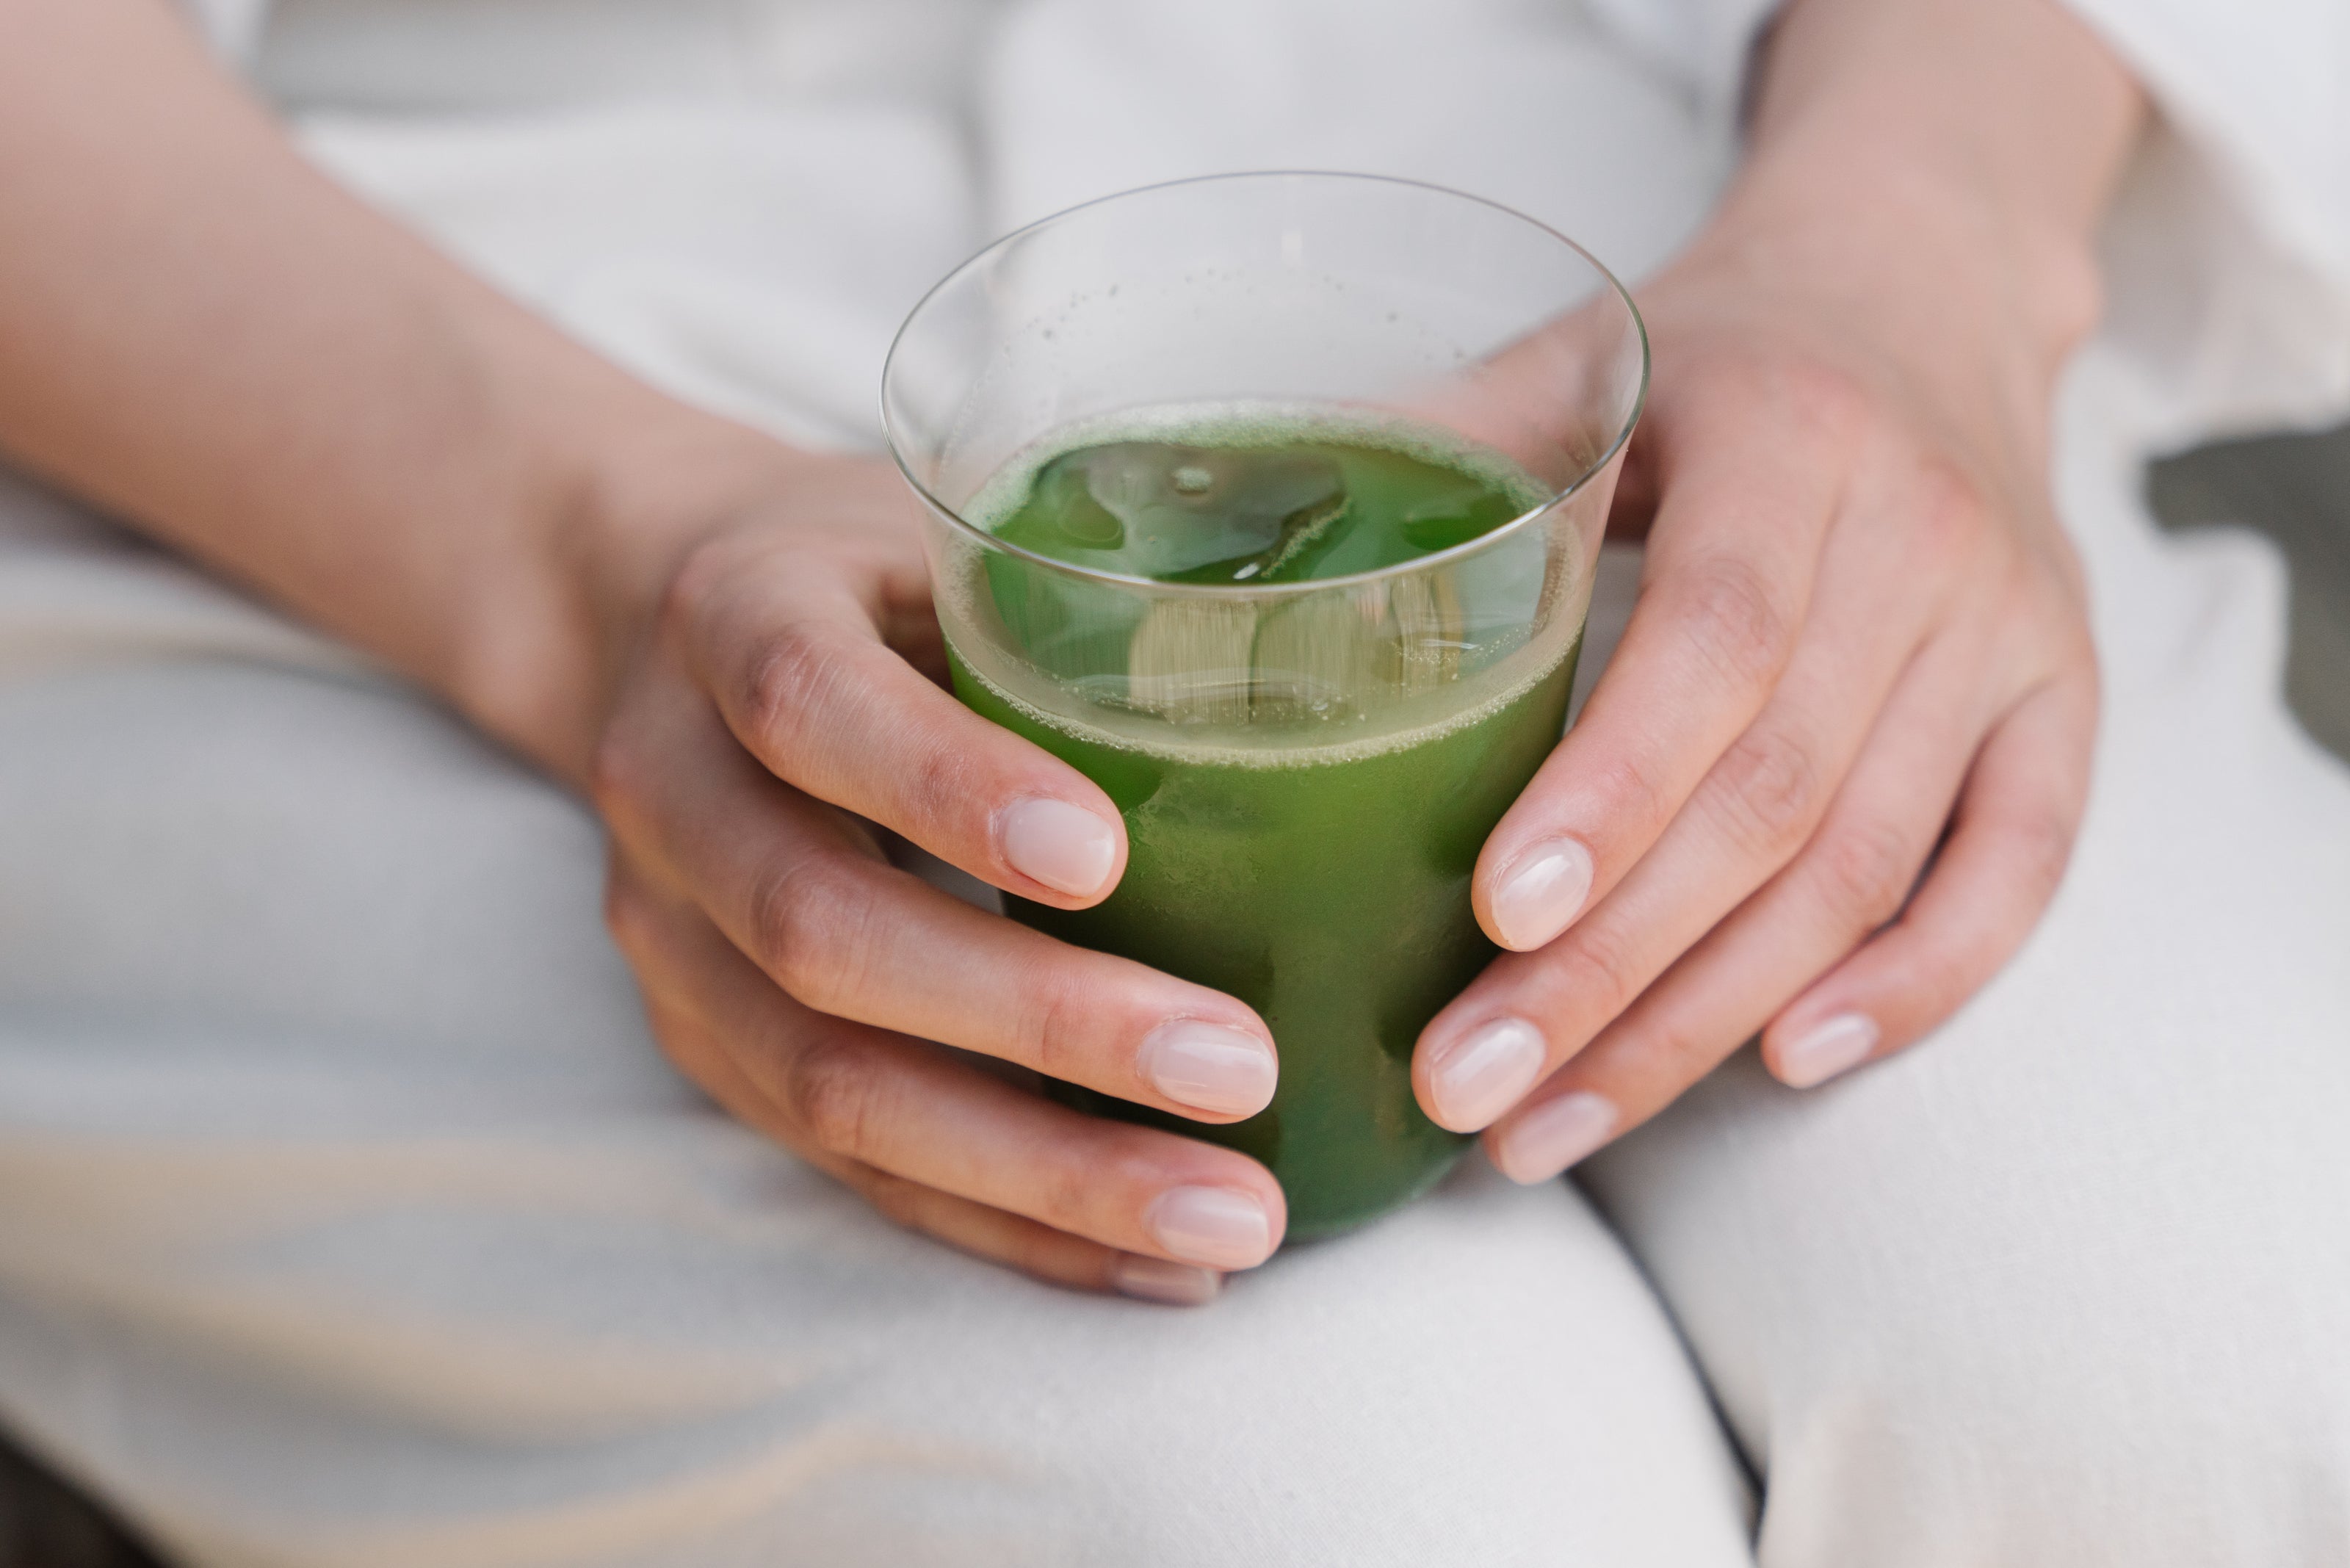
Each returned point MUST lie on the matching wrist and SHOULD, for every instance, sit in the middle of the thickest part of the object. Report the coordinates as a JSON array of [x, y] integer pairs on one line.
[[625, 482], [1938, 263], [1945, 162]]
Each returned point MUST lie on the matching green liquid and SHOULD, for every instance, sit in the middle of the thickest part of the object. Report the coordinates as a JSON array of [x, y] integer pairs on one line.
[[1325, 885], [1286, 511]]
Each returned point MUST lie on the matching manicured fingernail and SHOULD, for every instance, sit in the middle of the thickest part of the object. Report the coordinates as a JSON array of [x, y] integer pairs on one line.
[[1065, 847], [1209, 1067], [1157, 1280], [1542, 892], [1486, 1073], [1212, 1226], [1553, 1135], [1841, 1044]]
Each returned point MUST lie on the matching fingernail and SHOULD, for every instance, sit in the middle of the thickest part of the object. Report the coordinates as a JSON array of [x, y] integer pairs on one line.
[[1553, 1135], [1209, 1067], [1065, 847], [1841, 1044], [1486, 1073], [1212, 1226], [1157, 1280], [1541, 893]]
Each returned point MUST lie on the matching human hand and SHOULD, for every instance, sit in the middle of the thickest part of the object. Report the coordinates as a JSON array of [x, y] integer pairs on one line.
[[1860, 653], [783, 702]]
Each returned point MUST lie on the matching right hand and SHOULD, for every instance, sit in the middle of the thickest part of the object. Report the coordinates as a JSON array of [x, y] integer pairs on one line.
[[783, 702]]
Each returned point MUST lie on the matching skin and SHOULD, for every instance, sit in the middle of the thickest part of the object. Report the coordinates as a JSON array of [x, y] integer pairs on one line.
[[1861, 632]]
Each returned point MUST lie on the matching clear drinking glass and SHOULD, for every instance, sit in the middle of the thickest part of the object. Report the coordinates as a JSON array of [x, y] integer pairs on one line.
[[1307, 770]]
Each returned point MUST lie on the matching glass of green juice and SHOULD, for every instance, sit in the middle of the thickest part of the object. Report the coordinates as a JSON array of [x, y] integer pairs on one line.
[[1271, 502]]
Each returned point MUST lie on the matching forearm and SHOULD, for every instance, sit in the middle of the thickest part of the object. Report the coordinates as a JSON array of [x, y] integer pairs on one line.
[[1964, 144], [203, 334]]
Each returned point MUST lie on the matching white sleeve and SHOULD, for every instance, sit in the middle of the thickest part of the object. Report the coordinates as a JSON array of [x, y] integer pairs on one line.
[[2228, 256], [1704, 44]]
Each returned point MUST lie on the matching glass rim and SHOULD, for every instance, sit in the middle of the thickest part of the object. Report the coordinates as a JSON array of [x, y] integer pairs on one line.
[[1589, 471]]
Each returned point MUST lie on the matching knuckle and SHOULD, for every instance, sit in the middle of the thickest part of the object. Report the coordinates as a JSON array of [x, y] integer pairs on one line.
[[2041, 847], [1603, 971], [2071, 576], [1831, 402], [837, 1095], [1065, 1194], [1812, 396], [1633, 793], [616, 781], [1735, 621], [895, 1198], [1950, 512], [628, 915], [701, 589], [1768, 792], [688, 588], [1674, 1055], [907, 1204], [2041, 599], [812, 923], [2034, 591], [939, 786], [1052, 1031], [796, 673], [1867, 869], [2022, 629]]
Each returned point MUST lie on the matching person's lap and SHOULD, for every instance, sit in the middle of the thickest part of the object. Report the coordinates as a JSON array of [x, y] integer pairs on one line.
[[352, 1217], [2064, 1282]]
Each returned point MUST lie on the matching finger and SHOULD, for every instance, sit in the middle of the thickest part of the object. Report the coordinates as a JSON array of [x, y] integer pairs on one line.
[[1035, 1249], [1752, 813], [1051, 1255], [846, 1096], [801, 890], [791, 652], [2009, 845], [1849, 880], [1724, 594], [1054, 1256]]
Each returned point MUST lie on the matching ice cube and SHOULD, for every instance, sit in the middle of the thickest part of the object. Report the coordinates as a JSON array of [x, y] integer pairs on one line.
[[1189, 660], [1350, 653], [1188, 513]]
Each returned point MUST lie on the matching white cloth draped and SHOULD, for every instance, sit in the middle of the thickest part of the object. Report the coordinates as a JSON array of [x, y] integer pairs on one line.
[[347, 1217]]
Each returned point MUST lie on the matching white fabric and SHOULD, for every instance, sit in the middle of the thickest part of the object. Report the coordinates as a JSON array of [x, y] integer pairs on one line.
[[347, 1217], [2231, 261], [2228, 270], [2063, 1285]]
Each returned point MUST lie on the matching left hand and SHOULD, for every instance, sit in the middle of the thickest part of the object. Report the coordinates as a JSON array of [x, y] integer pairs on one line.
[[1861, 655]]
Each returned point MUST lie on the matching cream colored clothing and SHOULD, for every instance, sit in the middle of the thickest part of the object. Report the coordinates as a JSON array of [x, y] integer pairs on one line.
[[348, 1217]]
